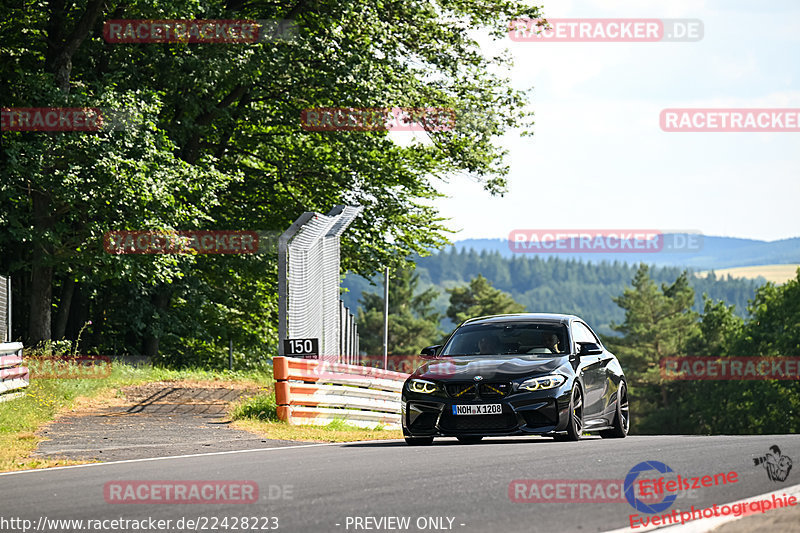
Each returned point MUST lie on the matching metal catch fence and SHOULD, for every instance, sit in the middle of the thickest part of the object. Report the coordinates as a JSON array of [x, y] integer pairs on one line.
[[312, 320], [5, 309]]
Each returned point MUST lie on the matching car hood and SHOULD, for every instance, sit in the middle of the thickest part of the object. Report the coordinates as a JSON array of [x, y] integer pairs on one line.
[[489, 368]]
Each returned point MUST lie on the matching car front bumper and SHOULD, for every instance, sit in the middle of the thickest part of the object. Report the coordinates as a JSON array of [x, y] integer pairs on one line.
[[523, 413]]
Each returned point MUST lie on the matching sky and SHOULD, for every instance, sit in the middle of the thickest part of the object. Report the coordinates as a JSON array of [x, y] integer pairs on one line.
[[599, 159]]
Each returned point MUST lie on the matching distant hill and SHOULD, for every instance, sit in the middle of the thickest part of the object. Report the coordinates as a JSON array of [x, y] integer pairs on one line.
[[555, 284], [712, 253]]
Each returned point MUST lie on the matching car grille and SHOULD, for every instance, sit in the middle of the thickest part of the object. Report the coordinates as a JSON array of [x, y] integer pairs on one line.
[[493, 390], [502, 422], [462, 391], [474, 391]]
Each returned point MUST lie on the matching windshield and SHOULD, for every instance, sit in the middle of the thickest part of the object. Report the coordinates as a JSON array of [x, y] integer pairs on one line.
[[500, 338]]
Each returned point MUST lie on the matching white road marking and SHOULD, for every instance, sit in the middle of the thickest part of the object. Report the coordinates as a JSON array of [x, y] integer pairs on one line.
[[190, 455]]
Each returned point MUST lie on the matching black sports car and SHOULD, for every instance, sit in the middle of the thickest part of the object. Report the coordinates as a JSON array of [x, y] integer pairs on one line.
[[519, 374]]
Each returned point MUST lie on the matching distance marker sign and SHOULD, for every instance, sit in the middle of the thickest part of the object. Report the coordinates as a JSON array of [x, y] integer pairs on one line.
[[308, 348]]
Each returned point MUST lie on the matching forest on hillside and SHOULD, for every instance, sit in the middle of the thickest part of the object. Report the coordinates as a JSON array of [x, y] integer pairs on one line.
[[554, 284]]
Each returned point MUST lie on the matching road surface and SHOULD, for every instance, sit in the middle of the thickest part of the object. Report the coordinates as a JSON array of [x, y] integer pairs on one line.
[[444, 487]]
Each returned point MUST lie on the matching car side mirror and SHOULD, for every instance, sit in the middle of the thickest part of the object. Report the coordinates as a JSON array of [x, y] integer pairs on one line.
[[589, 348], [429, 352]]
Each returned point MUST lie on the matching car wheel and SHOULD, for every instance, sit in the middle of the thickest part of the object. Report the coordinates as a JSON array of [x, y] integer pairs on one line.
[[575, 424], [622, 418], [419, 441], [469, 440]]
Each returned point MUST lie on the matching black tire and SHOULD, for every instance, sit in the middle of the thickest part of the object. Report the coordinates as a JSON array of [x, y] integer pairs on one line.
[[575, 424], [470, 440], [419, 441], [622, 418]]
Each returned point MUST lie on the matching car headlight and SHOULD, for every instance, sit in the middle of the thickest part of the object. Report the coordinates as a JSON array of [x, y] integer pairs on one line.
[[423, 386], [543, 382]]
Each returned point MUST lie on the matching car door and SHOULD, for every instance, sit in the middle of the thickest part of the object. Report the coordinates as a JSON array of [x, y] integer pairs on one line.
[[593, 373], [609, 387]]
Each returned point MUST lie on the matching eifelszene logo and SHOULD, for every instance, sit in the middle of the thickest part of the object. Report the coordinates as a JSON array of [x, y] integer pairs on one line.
[[636, 502], [668, 487]]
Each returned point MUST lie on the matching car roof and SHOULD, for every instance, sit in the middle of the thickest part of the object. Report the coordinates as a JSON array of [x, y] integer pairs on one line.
[[523, 317]]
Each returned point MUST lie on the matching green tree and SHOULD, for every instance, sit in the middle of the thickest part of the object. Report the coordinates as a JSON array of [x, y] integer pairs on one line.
[[219, 145], [746, 406], [774, 328], [479, 298], [413, 323], [720, 330], [658, 323]]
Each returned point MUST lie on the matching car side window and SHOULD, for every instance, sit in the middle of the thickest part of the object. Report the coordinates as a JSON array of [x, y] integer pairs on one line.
[[583, 333]]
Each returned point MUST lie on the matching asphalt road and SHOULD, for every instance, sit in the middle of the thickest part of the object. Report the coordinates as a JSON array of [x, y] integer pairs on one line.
[[315, 488]]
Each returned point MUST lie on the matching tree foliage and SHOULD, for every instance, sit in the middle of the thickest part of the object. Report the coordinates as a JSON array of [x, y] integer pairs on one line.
[[413, 322], [216, 143], [658, 323], [479, 298], [708, 406]]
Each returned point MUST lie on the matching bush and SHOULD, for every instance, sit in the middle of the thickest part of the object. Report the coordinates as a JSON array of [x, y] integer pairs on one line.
[[261, 407]]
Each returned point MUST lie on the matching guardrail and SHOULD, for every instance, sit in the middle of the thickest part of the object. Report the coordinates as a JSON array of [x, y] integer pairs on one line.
[[13, 376], [315, 392]]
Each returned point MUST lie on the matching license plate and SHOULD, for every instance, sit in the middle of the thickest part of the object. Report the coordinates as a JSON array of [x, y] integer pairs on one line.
[[485, 409]]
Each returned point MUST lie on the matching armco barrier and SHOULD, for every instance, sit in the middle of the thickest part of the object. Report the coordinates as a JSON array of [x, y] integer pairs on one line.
[[13, 376], [314, 392]]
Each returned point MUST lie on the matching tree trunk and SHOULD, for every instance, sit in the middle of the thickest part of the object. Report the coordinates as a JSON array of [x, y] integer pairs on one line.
[[60, 325], [61, 43], [41, 298], [98, 314], [161, 301], [41, 295], [150, 346], [78, 312], [61, 46]]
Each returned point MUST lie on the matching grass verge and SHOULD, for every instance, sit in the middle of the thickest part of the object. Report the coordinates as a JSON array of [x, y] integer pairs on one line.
[[273, 429], [46, 398]]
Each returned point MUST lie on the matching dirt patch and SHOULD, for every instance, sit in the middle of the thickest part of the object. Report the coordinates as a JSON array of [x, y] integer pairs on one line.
[[151, 420]]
